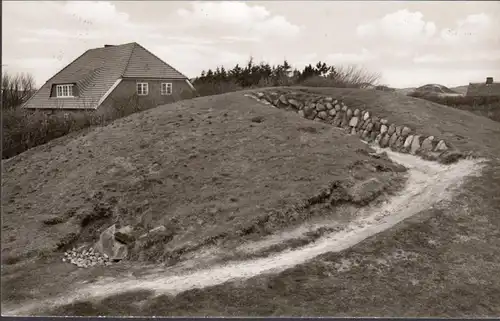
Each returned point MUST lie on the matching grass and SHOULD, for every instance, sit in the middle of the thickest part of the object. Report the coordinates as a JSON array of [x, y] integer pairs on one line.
[[487, 106], [216, 165], [221, 168]]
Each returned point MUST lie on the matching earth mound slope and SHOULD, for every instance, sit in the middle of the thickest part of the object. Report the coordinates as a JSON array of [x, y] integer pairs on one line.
[[209, 170]]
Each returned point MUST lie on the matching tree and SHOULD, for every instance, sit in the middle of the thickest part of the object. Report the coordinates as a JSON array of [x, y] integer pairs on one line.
[[16, 89]]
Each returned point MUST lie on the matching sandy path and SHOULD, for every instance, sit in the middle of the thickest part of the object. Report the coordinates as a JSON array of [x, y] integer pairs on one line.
[[428, 183]]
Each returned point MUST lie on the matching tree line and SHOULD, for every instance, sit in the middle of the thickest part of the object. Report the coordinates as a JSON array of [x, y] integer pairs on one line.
[[264, 75]]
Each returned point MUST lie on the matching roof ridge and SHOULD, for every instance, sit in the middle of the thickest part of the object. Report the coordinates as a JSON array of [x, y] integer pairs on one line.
[[162, 60], [125, 67]]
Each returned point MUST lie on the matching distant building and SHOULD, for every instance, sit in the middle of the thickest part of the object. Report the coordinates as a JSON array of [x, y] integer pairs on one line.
[[488, 88]]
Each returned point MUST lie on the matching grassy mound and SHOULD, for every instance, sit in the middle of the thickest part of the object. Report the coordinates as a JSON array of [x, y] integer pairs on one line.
[[210, 169], [226, 168]]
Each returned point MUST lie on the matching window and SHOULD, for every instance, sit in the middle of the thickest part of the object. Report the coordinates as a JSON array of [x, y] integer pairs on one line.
[[166, 88], [64, 90], [142, 88]]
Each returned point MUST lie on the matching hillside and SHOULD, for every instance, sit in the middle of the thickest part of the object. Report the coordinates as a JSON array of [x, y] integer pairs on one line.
[[224, 170]]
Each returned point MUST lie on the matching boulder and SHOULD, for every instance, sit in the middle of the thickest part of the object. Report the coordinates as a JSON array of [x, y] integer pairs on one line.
[[415, 145], [383, 129], [344, 108], [378, 138], [109, 246], [405, 131], [384, 142], [366, 115], [329, 106], [328, 99], [337, 107], [283, 100], [354, 121], [373, 136], [260, 95], [384, 121], [398, 130], [427, 143], [407, 143], [320, 107], [394, 138], [353, 131], [391, 130], [441, 146], [332, 112], [294, 103], [124, 235], [369, 126], [349, 113], [337, 120], [356, 112], [323, 115]]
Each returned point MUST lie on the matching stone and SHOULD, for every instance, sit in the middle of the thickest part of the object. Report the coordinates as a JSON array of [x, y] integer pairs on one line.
[[283, 100], [441, 146], [407, 143], [349, 113], [260, 95], [415, 145], [353, 131], [332, 112], [329, 106], [337, 107], [384, 142], [369, 127], [345, 121], [328, 99], [354, 122], [356, 112], [302, 113], [378, 138], [366, 191], [366, 115], [337, 120], [376, 125], [312, 115], [365, 134], [373, 135], [392, 129], [323, 115], [427, 143], [320, 107], [384, 121], [365, 124], [108, 245], [294, 103], [393, 139], [124, 235], [335, 102], [344, 108], [398, 145], [405, 131], [383, 129], [398, 130]]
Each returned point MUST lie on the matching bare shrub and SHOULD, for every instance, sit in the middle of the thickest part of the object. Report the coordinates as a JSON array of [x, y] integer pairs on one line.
[[16, 89]]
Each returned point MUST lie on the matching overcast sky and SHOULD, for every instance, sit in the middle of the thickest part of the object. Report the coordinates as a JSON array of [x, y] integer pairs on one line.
[[410, 43]]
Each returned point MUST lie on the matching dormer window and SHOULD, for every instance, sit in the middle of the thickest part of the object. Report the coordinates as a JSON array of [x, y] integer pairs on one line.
[[64, 91]]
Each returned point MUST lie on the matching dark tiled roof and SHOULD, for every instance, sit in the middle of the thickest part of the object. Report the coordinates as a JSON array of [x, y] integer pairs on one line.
[[483, 89], [97, 70]]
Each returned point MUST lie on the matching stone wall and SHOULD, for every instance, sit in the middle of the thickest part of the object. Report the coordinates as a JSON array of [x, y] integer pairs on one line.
[[362, 123]]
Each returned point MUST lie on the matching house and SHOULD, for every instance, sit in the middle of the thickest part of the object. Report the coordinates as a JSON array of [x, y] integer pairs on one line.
[[488, 88], [112, 77]]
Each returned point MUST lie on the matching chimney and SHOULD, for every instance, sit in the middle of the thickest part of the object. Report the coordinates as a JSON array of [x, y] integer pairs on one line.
[[107, 46], [489, 80]]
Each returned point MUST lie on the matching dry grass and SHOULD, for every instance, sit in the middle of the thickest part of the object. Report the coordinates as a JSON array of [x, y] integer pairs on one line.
[[216, 165], [487, 106]]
